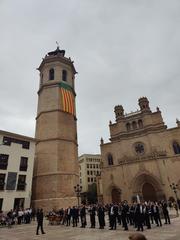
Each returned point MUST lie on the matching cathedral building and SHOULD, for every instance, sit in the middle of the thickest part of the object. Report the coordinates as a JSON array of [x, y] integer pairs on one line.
[[142, 158], [56, 153]]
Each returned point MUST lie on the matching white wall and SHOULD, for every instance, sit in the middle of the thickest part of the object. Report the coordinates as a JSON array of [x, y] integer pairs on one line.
[[15, 152]]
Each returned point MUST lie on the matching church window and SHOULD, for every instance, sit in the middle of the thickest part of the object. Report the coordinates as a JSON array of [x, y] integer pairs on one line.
[[128, 126], [140, 123], [176, 147], [64, 75], [134, 125], [51, 74], [110, 159], [139, 148]]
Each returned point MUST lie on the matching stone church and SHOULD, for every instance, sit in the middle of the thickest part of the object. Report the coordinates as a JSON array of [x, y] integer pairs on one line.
[[142, 157]]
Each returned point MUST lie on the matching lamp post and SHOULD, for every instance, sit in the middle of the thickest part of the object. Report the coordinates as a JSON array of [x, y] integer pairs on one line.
[[78, 190], [174, 187]]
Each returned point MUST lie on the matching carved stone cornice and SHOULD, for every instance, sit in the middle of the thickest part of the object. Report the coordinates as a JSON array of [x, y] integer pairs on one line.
[[138, 132], [139, 158]]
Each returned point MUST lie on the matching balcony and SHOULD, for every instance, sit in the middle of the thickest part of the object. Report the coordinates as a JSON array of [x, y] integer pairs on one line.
[[2, 186], [21, 187], [3, 166], [23, 168]]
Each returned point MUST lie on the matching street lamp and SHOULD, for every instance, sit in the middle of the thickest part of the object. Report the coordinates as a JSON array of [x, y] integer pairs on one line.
[[174, 187], [78, 190]]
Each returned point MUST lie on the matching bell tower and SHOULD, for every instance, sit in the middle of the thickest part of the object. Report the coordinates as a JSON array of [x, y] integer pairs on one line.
[[56, 153]]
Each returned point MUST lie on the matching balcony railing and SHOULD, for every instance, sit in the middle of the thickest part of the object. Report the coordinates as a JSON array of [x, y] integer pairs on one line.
[[3, 166], [2, 185], [21, 187], [23, 168]]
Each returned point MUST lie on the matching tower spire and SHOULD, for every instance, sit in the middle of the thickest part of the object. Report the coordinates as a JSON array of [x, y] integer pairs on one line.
[[57, 45]]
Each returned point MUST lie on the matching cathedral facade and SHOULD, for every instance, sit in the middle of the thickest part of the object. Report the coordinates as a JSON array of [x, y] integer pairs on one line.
[[142, 158]]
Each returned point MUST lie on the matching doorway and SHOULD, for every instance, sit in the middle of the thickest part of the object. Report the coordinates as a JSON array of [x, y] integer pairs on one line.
[[149, 193], [116, 195]]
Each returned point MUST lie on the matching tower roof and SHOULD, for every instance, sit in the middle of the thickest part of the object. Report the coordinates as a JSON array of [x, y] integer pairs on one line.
[[57, 55], [57, 52]]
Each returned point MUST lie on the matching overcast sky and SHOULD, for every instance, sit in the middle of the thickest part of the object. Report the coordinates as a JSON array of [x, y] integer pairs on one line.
[[122, 50]]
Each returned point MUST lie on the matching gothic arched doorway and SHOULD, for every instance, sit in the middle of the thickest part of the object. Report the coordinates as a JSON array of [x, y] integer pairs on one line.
[[149, 192], [148, 187], [116, 195]]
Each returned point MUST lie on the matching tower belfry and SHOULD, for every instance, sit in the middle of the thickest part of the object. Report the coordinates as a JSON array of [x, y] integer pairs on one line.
[[56, 154]]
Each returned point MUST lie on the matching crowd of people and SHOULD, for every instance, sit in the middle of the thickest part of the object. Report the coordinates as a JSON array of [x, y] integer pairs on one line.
[[138, 215], [17, 216]]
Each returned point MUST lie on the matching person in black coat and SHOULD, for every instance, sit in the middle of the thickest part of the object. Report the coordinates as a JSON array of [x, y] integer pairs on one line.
[[75, 214], [124, 210], [119, 214], [131, 214], [156, 214], [83, 216], [165, 212], [147, 211], [92, 213], [40, 217], [101, 216], [113, 216], [69, 213], [139, 215]]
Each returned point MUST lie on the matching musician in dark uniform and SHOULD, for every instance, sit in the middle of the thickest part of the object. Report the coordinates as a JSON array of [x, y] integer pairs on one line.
[[83, 216], [113, 216], [75, 214], [165, 212], [124, 211], [69, 213], [139, 215], [119, 214], [131, 214], [147, 211], [40, 217], [156, 214], [101, 216], [92, 213]]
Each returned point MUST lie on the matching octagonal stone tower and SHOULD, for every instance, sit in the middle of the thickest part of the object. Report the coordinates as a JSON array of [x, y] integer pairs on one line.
[[56, 153]]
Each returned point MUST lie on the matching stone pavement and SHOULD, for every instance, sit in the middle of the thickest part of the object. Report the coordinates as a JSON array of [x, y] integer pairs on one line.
[[27, 232]]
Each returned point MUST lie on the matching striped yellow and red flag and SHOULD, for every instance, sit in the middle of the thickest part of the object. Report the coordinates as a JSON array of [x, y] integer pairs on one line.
[[68, 100]]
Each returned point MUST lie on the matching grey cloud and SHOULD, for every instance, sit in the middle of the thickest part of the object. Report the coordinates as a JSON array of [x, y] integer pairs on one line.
[[122, 50]]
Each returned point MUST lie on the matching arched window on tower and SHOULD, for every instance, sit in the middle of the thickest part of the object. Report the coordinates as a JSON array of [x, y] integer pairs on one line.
[[64, 75], [110, 159], [134, 125], [51, 74], [176, 147], [140, 123], [128, 126]]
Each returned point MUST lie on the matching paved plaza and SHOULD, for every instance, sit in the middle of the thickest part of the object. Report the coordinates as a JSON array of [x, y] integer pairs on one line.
[[27, 232]]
